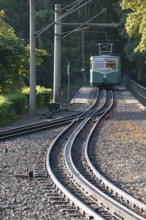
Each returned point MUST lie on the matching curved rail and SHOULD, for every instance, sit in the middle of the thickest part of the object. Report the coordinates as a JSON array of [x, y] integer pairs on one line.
[[119, 192], [69, 195], [112, 205]]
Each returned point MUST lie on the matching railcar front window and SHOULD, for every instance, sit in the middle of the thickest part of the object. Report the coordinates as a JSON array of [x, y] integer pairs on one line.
[[110, 65], [98, 65]]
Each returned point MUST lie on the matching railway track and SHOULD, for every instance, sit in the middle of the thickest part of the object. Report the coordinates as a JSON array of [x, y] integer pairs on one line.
[[71, 180], [74, 178], [35, 127], [47, 124]]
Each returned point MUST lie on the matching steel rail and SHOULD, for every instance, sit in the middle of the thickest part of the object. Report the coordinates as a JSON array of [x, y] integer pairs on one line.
[[112, 205], [69, 195], [128, 198], [37, 124], [34, 127]]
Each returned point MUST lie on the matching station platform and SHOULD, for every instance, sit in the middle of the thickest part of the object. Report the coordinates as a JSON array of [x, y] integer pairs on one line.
[[129, 98], [84, 95]]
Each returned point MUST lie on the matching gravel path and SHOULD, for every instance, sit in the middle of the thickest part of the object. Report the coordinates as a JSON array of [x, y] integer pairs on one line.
[[120, 153]]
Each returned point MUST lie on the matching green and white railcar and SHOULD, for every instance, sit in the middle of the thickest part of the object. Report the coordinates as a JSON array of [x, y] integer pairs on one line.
[[105, 70]]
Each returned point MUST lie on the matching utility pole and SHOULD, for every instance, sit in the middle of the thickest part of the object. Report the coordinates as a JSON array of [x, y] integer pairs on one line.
[[32, 97], [57, 55], [83, 59], [68, 73]]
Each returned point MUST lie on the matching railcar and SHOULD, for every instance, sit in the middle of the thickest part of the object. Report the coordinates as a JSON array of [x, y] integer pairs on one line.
[[105, 69]]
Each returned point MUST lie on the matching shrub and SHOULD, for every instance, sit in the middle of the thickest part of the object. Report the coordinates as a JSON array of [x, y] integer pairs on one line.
[[43, 96], [7, 112], [19, 102], [12, 105]]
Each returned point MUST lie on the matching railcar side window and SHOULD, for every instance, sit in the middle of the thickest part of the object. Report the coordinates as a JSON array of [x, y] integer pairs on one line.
[[110, 65], [98, 65]]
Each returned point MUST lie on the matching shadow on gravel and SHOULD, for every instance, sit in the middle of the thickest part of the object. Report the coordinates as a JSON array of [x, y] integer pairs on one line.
[[138, 118], [126, 116]]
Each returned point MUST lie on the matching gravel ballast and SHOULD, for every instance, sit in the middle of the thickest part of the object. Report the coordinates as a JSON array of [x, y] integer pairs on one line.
[[120, 155]]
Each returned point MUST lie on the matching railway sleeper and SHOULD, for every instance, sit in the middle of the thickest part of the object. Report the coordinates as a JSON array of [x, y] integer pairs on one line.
[[94, 182], [66, 206], [53, 194], [42, 179], [75, 215], [138, 210], [39, 171], [94, 206], [58, 197], [91, 202], [62, 176], [45, 182], [106, 214], [41, 175], [68, 210], [42, 167], [48, 188], [57, 202]]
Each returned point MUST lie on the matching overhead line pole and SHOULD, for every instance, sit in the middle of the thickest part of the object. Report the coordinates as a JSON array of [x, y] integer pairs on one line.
[[32, 96], [57, 55], [57, 51], [83, 59]]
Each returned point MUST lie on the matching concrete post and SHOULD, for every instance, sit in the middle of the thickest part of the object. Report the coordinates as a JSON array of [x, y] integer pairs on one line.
[[32, 97], [83, 58], [57, 56]]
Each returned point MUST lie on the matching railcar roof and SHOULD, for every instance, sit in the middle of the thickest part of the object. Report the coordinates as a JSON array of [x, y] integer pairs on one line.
[[105, 56]]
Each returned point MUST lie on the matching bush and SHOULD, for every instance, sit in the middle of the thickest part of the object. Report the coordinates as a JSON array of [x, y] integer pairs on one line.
[[12, 105], [19, 102], [43, 96], [7, 112]]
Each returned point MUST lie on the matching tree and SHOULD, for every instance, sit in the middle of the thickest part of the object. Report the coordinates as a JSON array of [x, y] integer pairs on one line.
[[14, 58], [17, 15], [11, 51], [136, 21]]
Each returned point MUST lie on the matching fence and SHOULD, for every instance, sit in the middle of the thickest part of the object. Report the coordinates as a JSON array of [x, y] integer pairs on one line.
[[137, 90]]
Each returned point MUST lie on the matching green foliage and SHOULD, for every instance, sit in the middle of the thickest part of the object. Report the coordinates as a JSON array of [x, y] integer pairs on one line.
[[7, 113], [19, 102], [43, 95], [136, 21], [12, 105], [17, 18], [14, 58], [12, 51], [133, 32]]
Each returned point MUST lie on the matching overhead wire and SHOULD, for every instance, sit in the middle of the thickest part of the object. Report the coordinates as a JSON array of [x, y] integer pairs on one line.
[[61, 17], [103, 10], [71, 4], [81, 29], [71, 9]]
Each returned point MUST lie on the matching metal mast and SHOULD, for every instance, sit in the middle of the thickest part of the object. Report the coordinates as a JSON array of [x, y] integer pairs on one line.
[[57, 55], [32, 97]]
